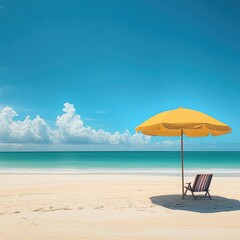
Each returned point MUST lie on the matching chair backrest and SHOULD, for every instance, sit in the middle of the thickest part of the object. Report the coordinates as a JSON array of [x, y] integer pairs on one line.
[[202, 182]]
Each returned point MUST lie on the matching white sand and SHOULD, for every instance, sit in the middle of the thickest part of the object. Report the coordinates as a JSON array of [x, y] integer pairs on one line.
[[115, 207]]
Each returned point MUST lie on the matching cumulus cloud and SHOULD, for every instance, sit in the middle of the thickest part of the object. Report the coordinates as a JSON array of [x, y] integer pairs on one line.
[[69, 129], [35, 130]]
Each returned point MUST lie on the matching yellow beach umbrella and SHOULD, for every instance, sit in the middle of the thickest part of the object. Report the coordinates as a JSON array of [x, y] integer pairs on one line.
[[183, 121]]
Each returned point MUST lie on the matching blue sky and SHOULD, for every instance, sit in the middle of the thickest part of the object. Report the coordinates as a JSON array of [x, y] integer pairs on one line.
[[119, 63]]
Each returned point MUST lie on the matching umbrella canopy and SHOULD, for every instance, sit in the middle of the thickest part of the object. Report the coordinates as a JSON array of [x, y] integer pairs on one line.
[[183, 121], [192, 122]]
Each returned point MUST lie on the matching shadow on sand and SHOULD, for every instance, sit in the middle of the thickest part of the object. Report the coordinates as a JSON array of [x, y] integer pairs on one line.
[[204, 205]]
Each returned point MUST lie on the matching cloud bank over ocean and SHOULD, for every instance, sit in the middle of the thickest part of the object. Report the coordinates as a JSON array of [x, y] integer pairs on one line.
[[69, 133], [69, 129]]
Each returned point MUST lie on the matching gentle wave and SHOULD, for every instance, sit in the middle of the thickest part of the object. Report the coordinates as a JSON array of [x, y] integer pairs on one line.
[[160, 171]]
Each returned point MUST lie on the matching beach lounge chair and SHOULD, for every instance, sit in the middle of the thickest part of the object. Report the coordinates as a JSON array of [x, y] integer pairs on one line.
[[201, 184]]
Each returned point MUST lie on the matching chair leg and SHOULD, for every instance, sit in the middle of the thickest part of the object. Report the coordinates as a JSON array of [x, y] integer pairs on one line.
[[185, 193], [207, 193], [191, 190]]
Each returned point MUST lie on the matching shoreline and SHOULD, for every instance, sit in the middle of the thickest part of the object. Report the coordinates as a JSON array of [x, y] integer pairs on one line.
[[148, 172], [119, 174]]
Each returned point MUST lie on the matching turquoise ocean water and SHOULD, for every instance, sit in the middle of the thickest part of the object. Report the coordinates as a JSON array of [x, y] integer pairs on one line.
[[162, 163]]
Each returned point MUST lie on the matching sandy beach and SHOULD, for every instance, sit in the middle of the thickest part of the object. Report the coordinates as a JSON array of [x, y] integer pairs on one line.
[[115, 207]]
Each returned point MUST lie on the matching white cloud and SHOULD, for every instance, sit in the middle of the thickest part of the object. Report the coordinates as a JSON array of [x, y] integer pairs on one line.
[[70, 129], [25, 131]]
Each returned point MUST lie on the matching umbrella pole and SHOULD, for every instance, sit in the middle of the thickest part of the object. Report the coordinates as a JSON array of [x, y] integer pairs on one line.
[[182, 163]]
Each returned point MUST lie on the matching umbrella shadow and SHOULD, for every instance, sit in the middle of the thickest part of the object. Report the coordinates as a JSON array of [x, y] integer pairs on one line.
[[204, 205]]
